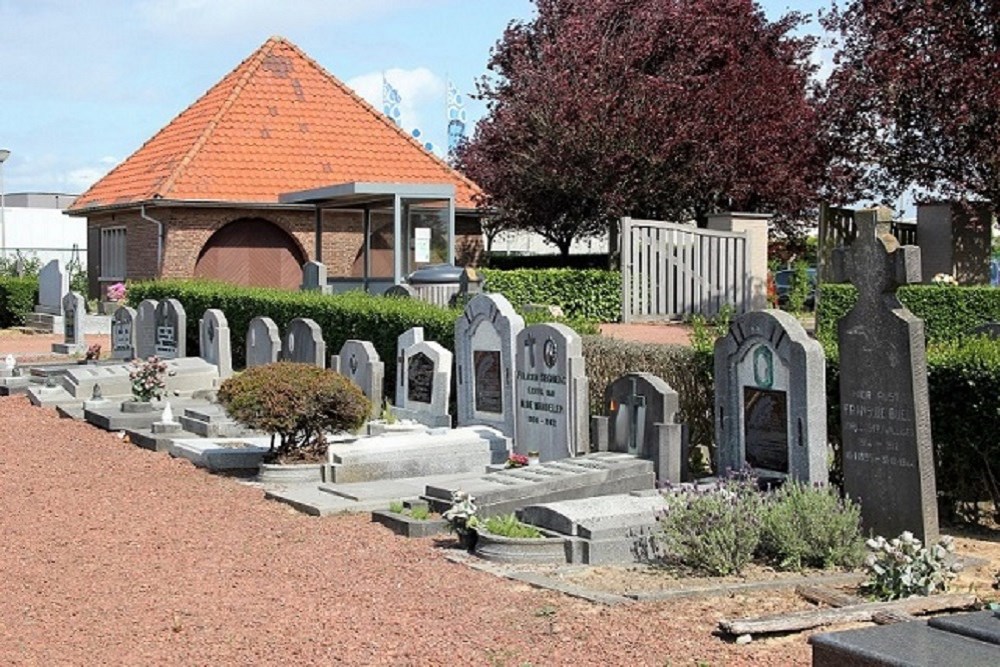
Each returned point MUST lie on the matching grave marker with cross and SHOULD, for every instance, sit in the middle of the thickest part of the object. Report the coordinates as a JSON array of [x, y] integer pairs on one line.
[[885, 416]]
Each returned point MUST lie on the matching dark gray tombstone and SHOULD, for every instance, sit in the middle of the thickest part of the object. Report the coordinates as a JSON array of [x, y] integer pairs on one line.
[[550, 383], [770, 398], [484, 356], [425, 389], [170, 340], [988, 329], [304, 343], [642, 415], [74, 308], [359, 362], [145, 329], [314, 277], [123, 331], [885, 417], [215, 342], [263, 342]]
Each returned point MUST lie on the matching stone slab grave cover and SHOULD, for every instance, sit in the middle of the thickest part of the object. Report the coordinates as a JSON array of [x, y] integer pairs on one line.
[[642, 411], [215, 342], [123, 333], [145, 329], [74, 308], [359, 362], [170, 340], [53, 285], [550, 383], [770, 398], [304, 343], [884, 412], [423, 387], [263, 342], [485, 336]]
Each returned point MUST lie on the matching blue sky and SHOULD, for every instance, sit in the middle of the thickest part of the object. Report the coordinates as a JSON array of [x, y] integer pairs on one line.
[[84, 84]]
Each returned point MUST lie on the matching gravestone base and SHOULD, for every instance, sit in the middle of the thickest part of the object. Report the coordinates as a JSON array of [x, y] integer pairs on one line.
[[69, 348], [223, 454], [434, 452], [425, 418], [505, 491], [10, 386], [211, 421]]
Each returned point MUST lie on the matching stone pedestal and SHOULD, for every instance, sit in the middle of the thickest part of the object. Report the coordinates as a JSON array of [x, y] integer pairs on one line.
[[754, 225]]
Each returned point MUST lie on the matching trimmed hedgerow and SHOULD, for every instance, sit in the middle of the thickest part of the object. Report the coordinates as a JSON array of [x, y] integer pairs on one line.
[[949, 312], [589, 294], [17, 299], [297, 402], [342, 317]]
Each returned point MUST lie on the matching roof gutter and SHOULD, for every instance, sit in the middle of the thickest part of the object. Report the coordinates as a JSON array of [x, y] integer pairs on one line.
[[159, 237]]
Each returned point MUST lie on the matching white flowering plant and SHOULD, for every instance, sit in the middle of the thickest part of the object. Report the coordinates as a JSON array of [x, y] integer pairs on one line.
[[148, 378], [902, 567], [461, 516], [944, 279]]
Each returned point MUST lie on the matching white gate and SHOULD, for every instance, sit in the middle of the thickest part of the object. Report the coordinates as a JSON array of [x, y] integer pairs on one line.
[[672, 271]]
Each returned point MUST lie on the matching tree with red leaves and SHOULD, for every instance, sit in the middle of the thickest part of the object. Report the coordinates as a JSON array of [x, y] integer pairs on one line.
[[914, 98], [665, 109]]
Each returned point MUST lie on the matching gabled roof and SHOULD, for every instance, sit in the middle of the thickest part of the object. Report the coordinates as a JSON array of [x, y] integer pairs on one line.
[[277, 123]]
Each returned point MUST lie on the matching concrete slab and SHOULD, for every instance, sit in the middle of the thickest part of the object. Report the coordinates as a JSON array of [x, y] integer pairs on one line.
[[221, 454]]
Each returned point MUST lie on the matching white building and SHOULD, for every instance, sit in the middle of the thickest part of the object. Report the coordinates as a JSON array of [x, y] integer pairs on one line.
[[34, 226]]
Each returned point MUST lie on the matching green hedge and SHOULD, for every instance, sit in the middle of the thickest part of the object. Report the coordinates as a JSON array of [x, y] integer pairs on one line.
[[17, 299], [948, 312], [589, 294], [378, 319]]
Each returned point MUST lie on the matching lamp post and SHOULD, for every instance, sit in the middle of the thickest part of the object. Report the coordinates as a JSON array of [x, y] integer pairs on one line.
[[4, 154]]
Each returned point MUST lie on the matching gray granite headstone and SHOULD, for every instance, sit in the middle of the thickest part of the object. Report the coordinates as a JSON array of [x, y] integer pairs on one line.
[[359, 362], [314, 277], [884, 412], [770, 398], [145, 329], [484, 357], [550, 383], [123, 333], [73, 307], [642, 420], [170, 341], [215, 342], [263, 342], [988, 329], [53, 285], [304, 343], [425, 389]]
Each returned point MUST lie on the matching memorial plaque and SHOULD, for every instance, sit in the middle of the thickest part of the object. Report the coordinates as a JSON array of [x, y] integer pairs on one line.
[[488, 381], [123, 333], [171, 330], [766, 420], [420, 378]]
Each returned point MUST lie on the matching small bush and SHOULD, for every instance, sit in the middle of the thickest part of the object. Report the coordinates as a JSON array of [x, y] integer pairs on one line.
[[902, 567], [509, 526], [714, 531], [297, 402], [17, 299], [396, 507], [582, 294], [804, 526]]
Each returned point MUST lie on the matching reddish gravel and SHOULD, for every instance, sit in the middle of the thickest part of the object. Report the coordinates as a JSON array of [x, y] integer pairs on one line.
[[116, 555]]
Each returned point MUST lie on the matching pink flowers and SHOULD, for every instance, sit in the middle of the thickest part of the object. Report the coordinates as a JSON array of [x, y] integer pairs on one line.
[[517, 461], [116, 292], [148, 378]]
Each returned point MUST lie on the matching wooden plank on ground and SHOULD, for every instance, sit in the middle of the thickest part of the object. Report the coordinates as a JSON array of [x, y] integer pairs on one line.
[[814, 618], [828, 596]]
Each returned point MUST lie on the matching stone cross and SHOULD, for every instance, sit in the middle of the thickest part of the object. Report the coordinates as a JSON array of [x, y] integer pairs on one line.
[[636, 405], [888, 455]]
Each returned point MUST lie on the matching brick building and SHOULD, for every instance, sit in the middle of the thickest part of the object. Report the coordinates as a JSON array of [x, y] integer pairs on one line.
[[203, 197]]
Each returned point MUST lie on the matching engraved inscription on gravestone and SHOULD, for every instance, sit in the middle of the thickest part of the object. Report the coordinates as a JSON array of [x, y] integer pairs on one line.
[[121, 336], [766, 422], [69, 323], [420, 378], [488, 382]]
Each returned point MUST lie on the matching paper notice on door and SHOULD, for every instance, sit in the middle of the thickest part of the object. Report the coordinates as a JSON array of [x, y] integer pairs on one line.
[[422, 244]]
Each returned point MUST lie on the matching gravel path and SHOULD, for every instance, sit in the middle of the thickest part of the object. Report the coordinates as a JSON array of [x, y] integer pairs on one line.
[[116, 555]]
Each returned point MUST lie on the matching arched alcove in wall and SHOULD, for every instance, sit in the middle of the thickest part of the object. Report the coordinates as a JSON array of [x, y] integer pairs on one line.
[[252, 252]]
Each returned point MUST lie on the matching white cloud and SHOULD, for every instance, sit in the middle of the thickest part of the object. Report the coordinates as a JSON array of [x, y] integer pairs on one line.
[[422, 99]]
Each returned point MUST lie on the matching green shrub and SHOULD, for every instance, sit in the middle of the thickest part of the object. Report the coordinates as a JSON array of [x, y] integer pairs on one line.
[[800, 288], [396, 506], [686, 370], [17, 300], [714, 531], [901, 567], [509, 526], [29, 268], [804, 526], [582, 294], [342, 317], [298, 402]]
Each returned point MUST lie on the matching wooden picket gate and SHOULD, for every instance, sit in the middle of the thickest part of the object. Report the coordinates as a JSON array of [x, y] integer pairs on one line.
[[672, 271]]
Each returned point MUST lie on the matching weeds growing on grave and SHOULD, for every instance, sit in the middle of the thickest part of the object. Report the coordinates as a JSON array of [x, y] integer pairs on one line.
[[148, 378], [396, 507], [902, 567], [509, 526]]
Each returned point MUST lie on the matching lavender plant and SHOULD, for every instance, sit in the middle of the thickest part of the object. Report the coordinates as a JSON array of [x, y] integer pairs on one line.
[[902, 567], [715, 530]]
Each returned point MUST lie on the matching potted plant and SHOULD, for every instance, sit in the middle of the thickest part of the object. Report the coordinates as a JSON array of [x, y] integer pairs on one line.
[[148, 378], [298, 404], [506, 539], [462, 519], [115, 297], [516, 460]]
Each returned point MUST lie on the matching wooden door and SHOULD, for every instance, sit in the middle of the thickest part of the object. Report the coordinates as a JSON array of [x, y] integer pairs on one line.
[[252, 252]]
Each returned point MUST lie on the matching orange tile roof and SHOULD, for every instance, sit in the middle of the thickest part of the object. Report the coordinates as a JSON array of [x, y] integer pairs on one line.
[[277, 123]]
